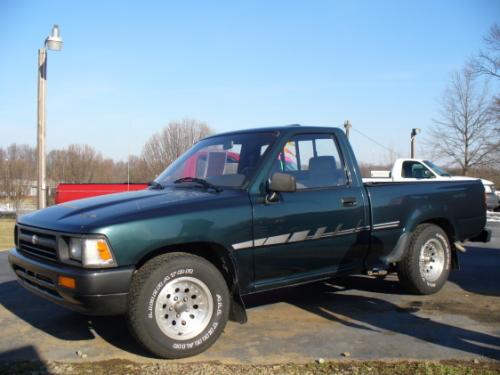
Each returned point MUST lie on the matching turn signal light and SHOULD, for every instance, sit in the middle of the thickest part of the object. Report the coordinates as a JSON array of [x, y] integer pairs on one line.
[[103, 250], [67, 282]]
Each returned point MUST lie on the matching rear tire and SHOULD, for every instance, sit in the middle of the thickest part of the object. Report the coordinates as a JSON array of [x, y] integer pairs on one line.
[[426, 264], [178, 305]]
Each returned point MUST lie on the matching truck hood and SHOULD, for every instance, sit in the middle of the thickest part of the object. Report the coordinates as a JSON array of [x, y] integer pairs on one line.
[[86, 215]]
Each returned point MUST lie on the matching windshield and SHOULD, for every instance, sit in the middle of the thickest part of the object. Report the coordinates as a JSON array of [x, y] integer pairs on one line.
[[436, 169], [226, 160]]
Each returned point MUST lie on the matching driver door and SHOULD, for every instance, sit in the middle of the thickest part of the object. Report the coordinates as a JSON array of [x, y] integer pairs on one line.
[[320, 229]]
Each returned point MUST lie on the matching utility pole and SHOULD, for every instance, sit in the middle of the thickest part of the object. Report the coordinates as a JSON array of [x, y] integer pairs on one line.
[[347, 126], [414, 133], [53, 43], [42, 82]]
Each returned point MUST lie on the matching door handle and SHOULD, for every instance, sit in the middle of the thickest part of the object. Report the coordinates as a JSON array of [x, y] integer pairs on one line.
[[349, 202]]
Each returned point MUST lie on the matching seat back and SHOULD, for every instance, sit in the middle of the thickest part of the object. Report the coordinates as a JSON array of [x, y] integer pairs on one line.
[[323, 171]]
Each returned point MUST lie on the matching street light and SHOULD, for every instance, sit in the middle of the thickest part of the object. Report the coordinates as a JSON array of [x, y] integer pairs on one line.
[[414, 133], [53, 43]]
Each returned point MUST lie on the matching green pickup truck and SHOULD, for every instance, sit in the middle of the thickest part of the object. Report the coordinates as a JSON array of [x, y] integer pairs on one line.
[[240, 213]]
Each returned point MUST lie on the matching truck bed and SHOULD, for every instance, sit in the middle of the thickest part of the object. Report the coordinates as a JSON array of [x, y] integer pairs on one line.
[[397, 208]]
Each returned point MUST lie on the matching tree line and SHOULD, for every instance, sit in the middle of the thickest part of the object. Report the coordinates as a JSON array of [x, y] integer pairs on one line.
[[81, 163]]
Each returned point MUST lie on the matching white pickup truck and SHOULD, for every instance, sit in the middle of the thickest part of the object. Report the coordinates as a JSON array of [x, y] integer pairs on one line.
[[425, 170]]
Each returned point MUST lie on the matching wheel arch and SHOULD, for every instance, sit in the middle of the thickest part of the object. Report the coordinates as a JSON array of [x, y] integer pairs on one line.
[[221, 258], [401, 246], [444, 224]]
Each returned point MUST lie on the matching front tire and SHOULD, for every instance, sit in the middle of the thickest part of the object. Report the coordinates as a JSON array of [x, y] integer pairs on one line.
[[178, 305], [426, 264]]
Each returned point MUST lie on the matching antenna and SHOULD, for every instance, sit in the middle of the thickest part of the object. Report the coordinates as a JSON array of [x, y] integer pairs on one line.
[[128, 157]]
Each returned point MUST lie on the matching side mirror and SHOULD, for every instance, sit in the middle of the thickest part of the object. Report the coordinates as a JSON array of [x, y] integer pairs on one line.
[[282, 182]]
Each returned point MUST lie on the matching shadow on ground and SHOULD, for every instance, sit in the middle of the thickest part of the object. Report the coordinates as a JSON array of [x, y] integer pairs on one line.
[[479, 272], [64, 324], [362, 312]]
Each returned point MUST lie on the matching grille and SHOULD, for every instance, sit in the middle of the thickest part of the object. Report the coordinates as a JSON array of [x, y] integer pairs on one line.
[[39, 244], [35, 280]]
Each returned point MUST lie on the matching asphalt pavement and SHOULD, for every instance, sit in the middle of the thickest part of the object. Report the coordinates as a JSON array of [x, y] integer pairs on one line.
[[357, 317]]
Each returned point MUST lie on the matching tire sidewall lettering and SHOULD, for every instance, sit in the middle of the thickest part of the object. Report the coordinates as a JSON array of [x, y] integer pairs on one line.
[[199, 341]]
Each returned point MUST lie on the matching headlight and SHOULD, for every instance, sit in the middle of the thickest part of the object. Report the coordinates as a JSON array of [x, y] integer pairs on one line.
[[488, 189], [91, 252], [75, 249]]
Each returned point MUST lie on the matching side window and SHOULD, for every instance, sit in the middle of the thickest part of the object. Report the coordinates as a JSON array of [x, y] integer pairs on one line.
[[314, 160], [415, 169]]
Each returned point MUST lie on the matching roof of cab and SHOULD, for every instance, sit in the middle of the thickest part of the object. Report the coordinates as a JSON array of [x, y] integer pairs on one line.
[[282, 129]]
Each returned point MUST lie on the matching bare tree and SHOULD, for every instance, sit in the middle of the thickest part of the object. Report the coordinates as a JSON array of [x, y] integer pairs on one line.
[[18, 173], [77, 163], [138, 170], [168, 144], [467, 132], [487, 62], [391, 155], [83, 164]]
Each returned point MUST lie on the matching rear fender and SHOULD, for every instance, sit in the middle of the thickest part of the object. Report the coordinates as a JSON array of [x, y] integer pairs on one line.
[[421, 217]]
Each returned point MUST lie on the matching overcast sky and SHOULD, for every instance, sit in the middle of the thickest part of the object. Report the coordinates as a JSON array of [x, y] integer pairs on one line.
[[129, 67]]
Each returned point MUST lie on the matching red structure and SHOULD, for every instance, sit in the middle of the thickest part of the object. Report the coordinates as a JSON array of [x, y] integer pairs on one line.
[[71, 192]]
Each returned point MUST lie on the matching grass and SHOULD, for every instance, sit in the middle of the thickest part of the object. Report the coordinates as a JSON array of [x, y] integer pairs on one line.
[[216, 368], [6, 233]]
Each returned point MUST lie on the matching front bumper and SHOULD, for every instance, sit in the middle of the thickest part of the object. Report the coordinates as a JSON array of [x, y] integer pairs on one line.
[[96, 292]]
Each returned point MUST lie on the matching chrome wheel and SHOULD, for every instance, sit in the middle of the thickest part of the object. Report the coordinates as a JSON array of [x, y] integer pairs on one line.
[[184, 308], [432, 260]]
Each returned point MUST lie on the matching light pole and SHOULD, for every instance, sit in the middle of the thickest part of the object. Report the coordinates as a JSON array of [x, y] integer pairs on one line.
[[53, 43], [414, 133]]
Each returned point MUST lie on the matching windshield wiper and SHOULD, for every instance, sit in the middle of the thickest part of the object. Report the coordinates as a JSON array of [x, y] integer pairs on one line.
[[155, 185], [200, 181]]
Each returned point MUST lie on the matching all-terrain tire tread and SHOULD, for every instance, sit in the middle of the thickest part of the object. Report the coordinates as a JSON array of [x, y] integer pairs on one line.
[[140, 277], [134, 318], [408, 270]]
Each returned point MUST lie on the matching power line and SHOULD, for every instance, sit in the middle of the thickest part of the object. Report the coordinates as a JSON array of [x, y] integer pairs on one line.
[[374, 141]]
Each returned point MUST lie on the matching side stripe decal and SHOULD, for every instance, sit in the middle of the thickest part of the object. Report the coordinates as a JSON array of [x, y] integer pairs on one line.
[[304, 235], [391, 224]]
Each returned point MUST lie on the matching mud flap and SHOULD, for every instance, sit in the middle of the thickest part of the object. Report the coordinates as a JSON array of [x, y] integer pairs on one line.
[[238, 312], [455, 260]]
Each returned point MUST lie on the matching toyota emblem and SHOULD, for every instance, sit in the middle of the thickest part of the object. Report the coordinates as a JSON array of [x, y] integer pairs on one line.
[[34, 239]]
